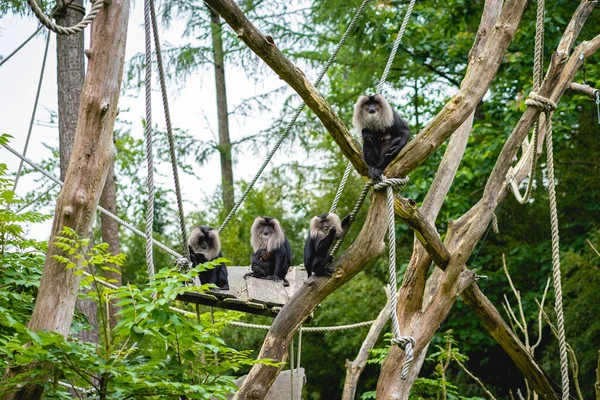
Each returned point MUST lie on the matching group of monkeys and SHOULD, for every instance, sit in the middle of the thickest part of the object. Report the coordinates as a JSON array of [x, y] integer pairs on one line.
[[384, 134]]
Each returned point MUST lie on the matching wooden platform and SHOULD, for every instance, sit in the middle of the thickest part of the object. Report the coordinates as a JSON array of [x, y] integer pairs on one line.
[[251, 295]]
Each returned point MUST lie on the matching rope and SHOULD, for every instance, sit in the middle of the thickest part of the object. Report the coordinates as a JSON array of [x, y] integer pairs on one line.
[[338, 194], [163, 89], [101, 209], [292, 369], [406, 343], [148, 137], [538, 67], [556, 278], [307, 329], [62, 30], [35, 106], [359, 203], [397, 42], [295, 116], [15, 51]]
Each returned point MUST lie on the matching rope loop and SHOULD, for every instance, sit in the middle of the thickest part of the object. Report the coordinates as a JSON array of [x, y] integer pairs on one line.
[[183, 264], [542, 103], [394, 183], [406, 343], [69, 30]]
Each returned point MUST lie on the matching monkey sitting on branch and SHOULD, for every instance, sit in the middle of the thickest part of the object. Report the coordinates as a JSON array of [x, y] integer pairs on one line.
[[383, 131], [324, 229], [272, 253], [205, 245]]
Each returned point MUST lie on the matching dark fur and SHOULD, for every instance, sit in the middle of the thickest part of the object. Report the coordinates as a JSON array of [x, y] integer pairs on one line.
[[273, 248], [204, 245], [383, 131], [324, 229]]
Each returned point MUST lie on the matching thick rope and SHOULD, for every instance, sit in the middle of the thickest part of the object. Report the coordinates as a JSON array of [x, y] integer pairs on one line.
[[406, 343], [295, 116], [62, 30], [15, 51], [148, 137], [34, 111], [341, 187], [102, 210], [538, 67], [556, 279], [165, 100]]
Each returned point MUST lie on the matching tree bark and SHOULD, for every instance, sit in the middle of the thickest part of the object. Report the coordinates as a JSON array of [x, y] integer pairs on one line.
[[110, 235], [355, 368], [92, 155], [222, 113], [70, 73]]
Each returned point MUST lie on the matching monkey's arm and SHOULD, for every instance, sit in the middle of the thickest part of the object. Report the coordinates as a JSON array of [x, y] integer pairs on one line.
[[324, 245], [283, 260], [370, 150]]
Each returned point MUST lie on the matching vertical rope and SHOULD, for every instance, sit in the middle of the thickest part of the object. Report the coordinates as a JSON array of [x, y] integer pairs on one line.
[[338, 194], [359, 203], [295, 116], [35, 106], [148, 136], [404, 342], [165, 101], [556, 279], [538, 67]]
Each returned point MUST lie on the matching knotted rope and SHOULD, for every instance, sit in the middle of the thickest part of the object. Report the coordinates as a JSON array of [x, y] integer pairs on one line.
[[406, 343], [69, 30]]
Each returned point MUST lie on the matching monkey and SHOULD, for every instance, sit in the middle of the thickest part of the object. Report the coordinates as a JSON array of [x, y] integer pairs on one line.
[[266, 234], [262, 266], [204, 245], [324, 229], [383, 131]]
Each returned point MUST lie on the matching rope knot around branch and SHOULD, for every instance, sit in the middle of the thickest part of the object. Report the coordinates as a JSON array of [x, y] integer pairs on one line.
[[406, 343], [394, 183], [542, 103]]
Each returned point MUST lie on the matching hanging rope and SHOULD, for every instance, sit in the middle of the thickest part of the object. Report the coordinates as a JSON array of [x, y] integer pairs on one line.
[[404, 342], [165, 100], [352, 216], [556, 278], [292, 369], [35, 106], [294, 117], [62, 30], [538, 68], [15, 51], [148, 137]]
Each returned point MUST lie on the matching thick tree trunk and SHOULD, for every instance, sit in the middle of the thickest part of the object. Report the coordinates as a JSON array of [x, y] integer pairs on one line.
[[92, 156], [70, 73], [110, 234], [222, 113]]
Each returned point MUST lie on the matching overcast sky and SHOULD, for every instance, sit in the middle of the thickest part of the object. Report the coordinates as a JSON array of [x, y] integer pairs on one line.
[[192, 107]]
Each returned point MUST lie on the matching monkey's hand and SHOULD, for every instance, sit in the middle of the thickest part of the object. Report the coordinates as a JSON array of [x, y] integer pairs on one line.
[[367, 135], [274, 278], [375, 173], [248, 274], [346, 222]]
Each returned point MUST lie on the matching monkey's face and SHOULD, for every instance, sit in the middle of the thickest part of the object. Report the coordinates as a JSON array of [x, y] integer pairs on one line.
[[266, 230], [325, 225], [372, 112]]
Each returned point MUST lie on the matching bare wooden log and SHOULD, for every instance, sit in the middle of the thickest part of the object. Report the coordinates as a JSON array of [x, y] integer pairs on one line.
[[584, 89], [267, 49], [92, 155], [355, 368]]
